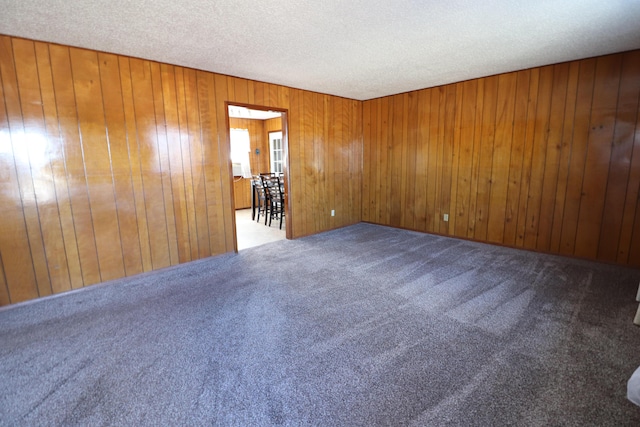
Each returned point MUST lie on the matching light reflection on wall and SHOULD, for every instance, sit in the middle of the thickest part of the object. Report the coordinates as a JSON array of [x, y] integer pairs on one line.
[[5, 143], [28, 152]]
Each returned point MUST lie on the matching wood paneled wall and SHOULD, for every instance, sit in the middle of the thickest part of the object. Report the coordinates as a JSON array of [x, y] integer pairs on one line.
[[273, 125], [241, 193], [258, 139], [111, 166], [545, 159], [259, 162]]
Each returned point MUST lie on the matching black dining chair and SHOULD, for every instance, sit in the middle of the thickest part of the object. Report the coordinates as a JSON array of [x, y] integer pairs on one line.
[[275, 195], [262, 200]]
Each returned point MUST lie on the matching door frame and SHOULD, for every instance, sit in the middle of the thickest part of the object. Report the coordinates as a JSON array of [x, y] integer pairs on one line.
[[285, 167]]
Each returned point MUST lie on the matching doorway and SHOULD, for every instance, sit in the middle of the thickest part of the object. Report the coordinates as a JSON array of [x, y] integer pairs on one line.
[[258, 148]]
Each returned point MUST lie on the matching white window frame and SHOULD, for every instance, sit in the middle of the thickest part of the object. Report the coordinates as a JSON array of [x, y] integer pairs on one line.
[[276, 152]]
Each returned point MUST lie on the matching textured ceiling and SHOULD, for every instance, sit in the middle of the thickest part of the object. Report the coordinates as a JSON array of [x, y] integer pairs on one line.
[[358, 49]]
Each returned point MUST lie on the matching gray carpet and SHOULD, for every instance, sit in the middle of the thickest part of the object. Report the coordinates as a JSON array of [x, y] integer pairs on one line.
[[361, 326]]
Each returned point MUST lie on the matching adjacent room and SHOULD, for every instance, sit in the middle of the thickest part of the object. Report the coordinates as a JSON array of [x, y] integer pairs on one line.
[[257, 153], [341, 213]]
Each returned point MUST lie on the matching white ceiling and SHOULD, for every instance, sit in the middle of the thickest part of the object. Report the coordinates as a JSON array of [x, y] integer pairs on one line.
[[358, 49], [246, 113]]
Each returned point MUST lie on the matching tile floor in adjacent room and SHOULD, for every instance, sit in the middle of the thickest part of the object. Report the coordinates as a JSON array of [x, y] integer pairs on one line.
[[251, 233]]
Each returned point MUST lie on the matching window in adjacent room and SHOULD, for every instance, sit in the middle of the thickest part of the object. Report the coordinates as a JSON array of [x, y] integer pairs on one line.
[[276, 151], [240, 147]]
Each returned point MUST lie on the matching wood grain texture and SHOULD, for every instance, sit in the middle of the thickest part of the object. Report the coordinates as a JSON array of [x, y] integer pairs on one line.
[[258, 139], [20, 278], [241, 193], [111, 166], [546, 159], [27, 146]]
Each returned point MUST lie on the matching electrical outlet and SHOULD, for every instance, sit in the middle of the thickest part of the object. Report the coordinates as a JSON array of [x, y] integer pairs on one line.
[[333, 212], [446, 217]]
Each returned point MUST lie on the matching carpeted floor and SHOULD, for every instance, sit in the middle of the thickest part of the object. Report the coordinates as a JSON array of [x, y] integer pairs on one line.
[[361, 326]]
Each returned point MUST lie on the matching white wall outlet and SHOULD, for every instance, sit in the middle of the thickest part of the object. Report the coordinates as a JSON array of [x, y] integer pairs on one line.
[[445, 217], [333, 212]]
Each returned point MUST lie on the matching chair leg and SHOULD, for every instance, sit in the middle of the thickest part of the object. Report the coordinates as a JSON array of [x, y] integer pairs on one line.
[[260, 209], [281, 216]]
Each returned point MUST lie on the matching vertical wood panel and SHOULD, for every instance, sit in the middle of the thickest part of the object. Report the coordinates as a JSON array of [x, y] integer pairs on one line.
[[185, 156], [123, 188], [594, 184], [448, 150], [368, 171], [545, 159], [112, 165], [338, 175], [538, 157], [164, 162], [15, 251], [501, 157], [149, 160], [307, 159], [259, 93], [529, 135], [578, 154], [174, 163], [331, 135], [134, 163], [295, 170], [74, 163], [439, 141], [383, 140], [516, 163], [456, 154], [422, 160], [223, 164], [432, 181], [486, 157], [475, 160], [552, 157], [319, 207], [565, 155], [58, 169], [357, 155], [27, 141], [97, 162], [465, 166], [394, 193], [197, 163], [206, 107], [633, 190], [405, 205], [42, 179], [619, 182]]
